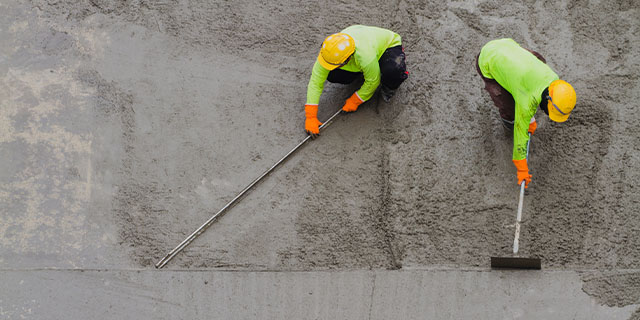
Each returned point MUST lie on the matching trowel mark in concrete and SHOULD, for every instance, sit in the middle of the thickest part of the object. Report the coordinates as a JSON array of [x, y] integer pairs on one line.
[[384, 215], [381, 216]]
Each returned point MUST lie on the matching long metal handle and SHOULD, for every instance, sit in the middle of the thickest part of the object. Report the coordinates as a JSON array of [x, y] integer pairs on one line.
[[518, 218], [520, 203], [203, 227]]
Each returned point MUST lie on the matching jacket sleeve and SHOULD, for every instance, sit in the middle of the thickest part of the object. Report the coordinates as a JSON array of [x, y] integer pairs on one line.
[[520, 133], [316, 83], [371, 73]]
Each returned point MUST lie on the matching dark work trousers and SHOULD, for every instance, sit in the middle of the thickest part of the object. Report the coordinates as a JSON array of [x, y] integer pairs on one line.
[[393, 70], [500, 96]]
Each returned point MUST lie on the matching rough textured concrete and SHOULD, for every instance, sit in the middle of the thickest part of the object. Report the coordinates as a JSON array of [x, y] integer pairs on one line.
[[298, 295], [125, 125]]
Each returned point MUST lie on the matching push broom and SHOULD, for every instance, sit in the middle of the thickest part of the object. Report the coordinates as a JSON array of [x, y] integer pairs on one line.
[[517, 262]]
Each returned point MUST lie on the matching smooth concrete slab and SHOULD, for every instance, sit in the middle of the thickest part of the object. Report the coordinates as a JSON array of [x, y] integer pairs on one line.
[[419, 294]]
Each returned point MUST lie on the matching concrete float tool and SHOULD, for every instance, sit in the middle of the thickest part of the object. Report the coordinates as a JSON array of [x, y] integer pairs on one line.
[[202, 228], [517, 262]]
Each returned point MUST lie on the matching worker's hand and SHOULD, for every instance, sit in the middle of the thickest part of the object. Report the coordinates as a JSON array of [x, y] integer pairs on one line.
[[523, 172], [312, 127], [533, 125], [524, 175], [352, 103], [311, 124]]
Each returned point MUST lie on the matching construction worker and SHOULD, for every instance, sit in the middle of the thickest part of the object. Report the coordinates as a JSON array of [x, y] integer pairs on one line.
[[519, 81], [372, 52]]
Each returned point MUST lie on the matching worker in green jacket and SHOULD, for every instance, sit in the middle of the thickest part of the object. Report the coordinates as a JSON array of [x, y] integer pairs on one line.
[[519, 81], [372, 52]]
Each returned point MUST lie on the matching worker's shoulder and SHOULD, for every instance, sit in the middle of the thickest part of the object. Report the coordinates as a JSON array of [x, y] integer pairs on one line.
[[504, 42], [361, 27]]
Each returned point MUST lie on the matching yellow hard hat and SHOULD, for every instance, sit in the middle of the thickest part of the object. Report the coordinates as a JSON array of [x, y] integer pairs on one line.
[[561, 100], [336, 49]]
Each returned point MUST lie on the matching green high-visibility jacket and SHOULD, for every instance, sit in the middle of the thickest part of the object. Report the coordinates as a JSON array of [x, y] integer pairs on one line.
[[370, 42], [524, 76]]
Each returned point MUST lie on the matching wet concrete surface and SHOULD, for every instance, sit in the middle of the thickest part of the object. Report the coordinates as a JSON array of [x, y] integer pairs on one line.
[[124, 126]]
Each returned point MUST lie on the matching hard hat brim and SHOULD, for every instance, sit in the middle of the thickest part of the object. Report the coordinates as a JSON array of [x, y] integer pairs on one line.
[[326, 64], [555, 115]]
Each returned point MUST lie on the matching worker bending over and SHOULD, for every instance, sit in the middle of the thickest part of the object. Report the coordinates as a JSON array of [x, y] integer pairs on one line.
[[373, 52], [519, 81]]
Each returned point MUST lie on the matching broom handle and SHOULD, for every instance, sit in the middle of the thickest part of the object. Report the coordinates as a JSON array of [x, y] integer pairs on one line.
[[518, 218], [520, 203]]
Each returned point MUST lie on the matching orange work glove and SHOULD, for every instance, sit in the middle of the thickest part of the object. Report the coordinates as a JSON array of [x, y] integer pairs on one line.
[[352, 103], [523, 172], [311, 124], [533, 125]]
